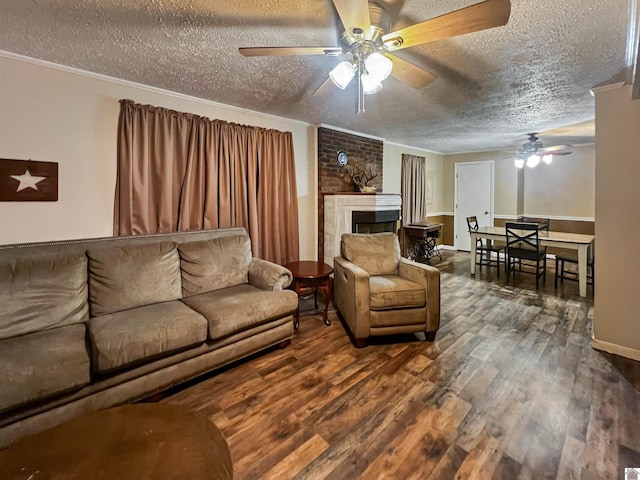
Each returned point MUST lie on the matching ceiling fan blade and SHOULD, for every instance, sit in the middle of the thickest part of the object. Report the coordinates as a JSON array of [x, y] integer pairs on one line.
[[562, 152], [481, 16], [409, 73], [282, 51], [324, 88], [353, 14], [557, 148]]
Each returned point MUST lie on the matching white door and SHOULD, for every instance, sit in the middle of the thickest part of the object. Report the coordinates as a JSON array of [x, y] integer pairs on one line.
[[473, 196]]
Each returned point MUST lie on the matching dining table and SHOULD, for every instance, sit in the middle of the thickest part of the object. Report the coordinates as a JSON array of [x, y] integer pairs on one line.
[[572, 241]]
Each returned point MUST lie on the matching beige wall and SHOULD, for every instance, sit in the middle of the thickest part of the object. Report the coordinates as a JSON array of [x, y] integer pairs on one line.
[[505, 182], [617, 320], [565, 188], [58, 115], [392, 165]]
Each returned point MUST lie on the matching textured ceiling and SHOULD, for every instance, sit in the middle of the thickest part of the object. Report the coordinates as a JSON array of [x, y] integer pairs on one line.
[[533, 75]]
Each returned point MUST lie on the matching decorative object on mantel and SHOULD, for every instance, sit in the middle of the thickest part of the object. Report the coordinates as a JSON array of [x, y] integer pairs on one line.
[[362, 174], [28, 181]]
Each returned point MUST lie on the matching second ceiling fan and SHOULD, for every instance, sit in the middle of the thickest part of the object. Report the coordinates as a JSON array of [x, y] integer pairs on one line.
[[366, 37], [533, 152]]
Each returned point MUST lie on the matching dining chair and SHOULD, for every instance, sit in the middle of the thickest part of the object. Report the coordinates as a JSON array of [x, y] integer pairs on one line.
[[543, 225], [564, 258], [523, 244], [484, 248], [542, 222]]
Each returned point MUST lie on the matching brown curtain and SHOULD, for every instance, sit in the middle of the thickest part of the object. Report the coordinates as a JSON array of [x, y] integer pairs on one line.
[[181, 172], [413, 189]]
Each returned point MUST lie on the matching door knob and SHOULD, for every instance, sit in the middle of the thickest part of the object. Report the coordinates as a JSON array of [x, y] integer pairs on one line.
[[486, 213]]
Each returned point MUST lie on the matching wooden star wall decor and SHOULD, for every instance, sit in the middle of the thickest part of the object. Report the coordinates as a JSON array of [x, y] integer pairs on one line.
[[28, 181]]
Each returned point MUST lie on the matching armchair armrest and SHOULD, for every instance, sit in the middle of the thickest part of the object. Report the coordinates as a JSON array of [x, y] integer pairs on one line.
[[268, 276], [351, 295], [429, 277]]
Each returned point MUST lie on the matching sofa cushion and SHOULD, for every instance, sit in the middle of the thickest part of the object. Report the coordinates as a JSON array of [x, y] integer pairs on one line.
[[131, 276], [392, 291], [42, 364], [214, 264], [142, 333], [376, 253], [39, 293], [239, 308]]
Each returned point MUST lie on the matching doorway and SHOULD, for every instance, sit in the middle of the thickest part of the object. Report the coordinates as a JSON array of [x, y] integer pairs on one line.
[[473, 196]]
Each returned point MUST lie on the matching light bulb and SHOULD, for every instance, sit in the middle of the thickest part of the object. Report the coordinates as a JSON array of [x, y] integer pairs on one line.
[[342, 74], [548, 158], [370, 84], [378, 65], [533, 160], [518, 162]]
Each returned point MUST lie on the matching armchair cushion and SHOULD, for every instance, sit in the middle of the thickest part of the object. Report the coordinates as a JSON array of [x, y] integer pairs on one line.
[[377, 254], [392, 291]]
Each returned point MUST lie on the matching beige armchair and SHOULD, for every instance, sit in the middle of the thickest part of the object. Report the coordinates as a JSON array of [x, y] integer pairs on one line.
[[378, 292]]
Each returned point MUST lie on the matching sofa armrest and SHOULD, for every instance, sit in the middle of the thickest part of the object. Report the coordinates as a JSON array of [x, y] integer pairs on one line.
[[351, 295], [268, 275], [429, 277]]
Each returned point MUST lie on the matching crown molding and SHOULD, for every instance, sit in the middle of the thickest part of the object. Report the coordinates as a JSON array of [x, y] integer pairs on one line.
[[401, 145], [350, 132], [610, 86], [633, 48], [148, 88]]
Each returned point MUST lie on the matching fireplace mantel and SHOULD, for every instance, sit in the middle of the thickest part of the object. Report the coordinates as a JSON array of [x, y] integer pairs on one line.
[[338, 210]]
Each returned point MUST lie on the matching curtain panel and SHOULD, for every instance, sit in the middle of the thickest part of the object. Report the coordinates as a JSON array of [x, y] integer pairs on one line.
[[181, 172], [413, 189]]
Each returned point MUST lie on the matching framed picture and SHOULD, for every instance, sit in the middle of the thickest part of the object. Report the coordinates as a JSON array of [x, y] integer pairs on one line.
[[28, 181]]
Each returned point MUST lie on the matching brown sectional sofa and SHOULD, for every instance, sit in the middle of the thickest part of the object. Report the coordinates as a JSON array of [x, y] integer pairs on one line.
[[89, 324]]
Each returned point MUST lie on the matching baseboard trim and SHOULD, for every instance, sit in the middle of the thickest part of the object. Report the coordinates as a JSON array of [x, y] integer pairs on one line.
[[616, 349]]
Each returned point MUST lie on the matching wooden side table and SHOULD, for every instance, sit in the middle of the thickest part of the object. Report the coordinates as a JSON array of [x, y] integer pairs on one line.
[[309, 275], [145, 441]]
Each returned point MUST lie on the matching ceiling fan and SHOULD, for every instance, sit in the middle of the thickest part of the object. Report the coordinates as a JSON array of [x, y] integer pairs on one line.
[[533, 151], [368, 40]]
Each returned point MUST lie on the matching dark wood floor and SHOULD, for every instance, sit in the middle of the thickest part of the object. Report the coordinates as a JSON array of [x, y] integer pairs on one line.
[[511, 388]]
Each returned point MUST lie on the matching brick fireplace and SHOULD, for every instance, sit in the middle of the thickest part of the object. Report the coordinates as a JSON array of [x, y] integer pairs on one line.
[[376, 212], [331, 177]]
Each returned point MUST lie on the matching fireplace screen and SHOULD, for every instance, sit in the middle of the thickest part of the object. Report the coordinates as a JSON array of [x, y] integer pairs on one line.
[[375, 222]]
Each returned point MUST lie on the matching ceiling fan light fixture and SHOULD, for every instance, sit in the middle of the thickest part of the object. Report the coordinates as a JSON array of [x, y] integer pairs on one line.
[[370, 83], [378, 65], [533, 161], [342, 74], [548, 158], [519, 162]]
